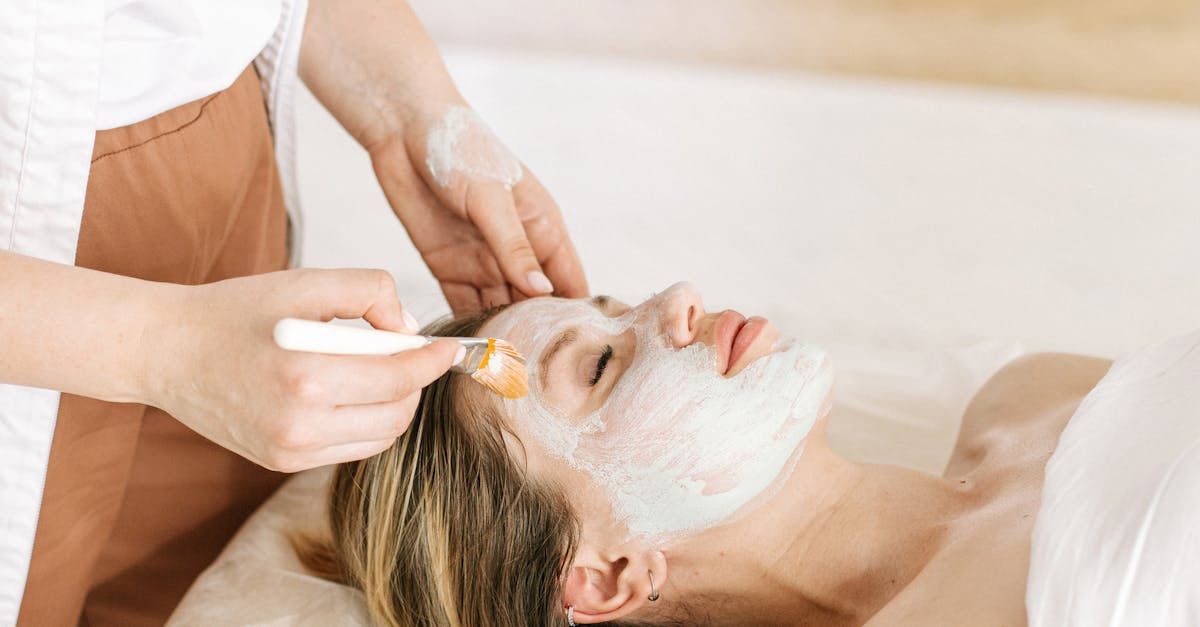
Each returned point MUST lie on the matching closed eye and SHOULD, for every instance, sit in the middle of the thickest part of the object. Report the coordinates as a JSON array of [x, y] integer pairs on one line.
[[601, 364]]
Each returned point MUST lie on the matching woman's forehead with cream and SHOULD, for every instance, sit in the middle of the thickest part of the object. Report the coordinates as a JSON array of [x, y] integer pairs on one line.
[[531, 324]]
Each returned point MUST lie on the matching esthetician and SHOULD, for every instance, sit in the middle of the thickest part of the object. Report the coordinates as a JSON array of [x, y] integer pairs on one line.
[[147, 217]]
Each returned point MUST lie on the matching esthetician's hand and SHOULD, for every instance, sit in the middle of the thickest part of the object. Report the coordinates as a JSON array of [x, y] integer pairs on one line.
[[490, 233], [219, 371], [487, 228]]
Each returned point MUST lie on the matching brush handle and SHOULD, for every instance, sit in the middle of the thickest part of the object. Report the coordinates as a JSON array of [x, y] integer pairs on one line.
[[311, 336]]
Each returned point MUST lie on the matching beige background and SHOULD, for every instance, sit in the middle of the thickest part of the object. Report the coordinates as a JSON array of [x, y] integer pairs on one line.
[[1135, 48]]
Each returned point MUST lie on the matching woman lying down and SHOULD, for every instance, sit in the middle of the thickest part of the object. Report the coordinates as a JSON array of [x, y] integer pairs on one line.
[[671, 467]]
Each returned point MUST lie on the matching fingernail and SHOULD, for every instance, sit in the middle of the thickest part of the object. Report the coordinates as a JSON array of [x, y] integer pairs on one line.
[[460, 355], [539, 282], [411, 323]]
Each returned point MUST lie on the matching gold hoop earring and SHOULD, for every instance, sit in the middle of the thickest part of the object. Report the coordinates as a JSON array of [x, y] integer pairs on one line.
[[653, 591]]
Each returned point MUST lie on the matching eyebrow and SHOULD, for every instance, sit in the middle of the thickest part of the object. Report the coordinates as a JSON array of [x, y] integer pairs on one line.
[[564, 339]]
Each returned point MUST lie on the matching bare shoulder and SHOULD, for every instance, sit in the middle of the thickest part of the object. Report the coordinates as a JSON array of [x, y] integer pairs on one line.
[[1009, 430], [1031, 396], [1033, 380]]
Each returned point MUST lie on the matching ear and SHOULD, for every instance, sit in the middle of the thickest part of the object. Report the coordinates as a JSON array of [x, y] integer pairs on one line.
[[603, 587]]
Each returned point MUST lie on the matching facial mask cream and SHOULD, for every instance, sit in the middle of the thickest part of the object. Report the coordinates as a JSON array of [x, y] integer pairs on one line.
[[461, 144], [678, 447]]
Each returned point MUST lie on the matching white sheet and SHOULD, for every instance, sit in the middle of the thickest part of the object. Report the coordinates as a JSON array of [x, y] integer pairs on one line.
[[257, 579], [1117, 539]]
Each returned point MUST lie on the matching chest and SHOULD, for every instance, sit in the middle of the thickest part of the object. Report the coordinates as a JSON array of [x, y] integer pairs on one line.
[[1009, 432], [979, 575]]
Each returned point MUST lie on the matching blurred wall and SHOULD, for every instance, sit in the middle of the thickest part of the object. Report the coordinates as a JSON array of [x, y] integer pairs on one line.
[[1133, 48]]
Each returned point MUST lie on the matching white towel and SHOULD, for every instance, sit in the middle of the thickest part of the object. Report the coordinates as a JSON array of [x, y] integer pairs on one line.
[[1117, 539]]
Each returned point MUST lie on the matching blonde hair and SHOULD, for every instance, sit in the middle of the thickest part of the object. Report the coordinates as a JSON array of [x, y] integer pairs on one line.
[[445, 527]]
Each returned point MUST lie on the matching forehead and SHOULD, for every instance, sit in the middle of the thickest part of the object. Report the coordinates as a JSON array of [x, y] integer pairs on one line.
[[530, 324]]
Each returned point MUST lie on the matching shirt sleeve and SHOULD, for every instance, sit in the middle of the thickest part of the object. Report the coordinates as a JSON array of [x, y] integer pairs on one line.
[[49, 76], [48, 86], [278, 68]]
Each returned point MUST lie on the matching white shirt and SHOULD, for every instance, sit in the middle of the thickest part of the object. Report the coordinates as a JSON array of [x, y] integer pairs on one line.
[[159, 54]]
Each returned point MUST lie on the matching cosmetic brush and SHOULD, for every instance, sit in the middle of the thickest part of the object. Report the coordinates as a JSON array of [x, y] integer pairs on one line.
[[494, 363]]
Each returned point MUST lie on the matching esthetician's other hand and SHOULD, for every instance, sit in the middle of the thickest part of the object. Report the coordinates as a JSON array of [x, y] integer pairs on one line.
[[487, 229], [490, 233], [219, 371]]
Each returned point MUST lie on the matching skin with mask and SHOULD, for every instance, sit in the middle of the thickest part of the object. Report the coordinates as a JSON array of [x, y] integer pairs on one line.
[[681, 434], [687, 452]]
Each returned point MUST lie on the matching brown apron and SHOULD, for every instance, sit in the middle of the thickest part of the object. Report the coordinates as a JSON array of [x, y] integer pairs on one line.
[[136, 504]]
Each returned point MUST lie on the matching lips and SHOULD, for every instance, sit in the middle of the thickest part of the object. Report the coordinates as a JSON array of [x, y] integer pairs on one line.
[[733, 334], [749, 331], [725, 333]]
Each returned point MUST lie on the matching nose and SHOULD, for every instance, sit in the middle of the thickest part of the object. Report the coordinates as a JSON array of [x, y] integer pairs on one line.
[[680, 310]]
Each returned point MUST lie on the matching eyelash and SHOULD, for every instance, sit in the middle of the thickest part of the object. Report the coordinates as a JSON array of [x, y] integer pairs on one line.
[[601, 364]]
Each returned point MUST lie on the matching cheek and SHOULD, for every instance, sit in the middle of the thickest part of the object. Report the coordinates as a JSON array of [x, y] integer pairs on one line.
[[661, 390], [587, 499], [681, 448]]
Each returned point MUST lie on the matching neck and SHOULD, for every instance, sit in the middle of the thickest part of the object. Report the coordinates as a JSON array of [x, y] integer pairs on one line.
[[833, 546]]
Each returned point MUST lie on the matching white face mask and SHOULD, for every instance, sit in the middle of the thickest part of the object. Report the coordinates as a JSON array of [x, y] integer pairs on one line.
[[678, 447]]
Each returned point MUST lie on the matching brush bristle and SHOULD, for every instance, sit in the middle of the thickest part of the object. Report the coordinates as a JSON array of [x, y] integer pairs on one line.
[[502, 370]]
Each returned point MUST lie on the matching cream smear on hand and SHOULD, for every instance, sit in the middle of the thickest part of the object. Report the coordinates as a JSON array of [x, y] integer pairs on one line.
[[461, 144], [678, 447]]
